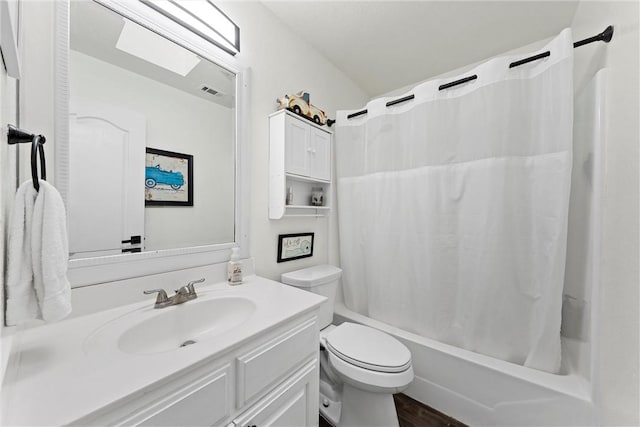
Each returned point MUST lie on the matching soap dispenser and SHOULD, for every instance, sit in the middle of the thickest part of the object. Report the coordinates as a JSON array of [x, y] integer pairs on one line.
[[234, 268]]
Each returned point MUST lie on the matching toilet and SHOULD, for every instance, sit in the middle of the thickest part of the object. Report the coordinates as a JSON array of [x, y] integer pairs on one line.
[[360, 367]]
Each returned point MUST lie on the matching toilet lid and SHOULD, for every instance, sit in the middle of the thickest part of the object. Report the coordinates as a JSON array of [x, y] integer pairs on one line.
[[368, 348]]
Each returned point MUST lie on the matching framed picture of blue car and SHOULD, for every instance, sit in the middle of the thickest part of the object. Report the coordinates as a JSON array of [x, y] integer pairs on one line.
[[168, 178]]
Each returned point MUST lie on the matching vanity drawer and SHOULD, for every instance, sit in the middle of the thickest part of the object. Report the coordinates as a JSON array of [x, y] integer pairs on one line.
[[263, 367]]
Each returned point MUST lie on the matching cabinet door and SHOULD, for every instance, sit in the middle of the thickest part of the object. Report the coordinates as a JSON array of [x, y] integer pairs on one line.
[[320, 155], [296, 147], [264, 367], [204, 403], [293, 403]]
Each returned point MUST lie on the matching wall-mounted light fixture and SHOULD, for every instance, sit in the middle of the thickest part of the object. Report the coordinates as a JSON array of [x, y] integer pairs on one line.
[[203, 18]]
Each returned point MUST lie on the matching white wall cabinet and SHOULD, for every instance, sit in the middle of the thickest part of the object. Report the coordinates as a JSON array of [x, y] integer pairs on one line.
[[299, 162], [271, 381]]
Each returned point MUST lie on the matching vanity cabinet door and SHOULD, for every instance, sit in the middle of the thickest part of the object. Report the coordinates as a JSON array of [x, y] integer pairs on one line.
[[293, 403], [262, 368], [204, 403]]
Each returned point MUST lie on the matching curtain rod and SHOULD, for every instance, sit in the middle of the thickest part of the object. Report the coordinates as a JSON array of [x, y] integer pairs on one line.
[[604, 36]]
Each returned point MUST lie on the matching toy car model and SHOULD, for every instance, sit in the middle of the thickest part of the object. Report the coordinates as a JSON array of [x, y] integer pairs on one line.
[[300, 103], [154, 175]]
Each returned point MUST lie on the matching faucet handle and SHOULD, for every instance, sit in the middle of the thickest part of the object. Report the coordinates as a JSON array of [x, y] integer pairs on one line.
[[190, 286], [162, 295]]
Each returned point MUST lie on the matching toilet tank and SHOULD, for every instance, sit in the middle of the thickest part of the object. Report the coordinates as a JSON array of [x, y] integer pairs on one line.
[[321, 280]]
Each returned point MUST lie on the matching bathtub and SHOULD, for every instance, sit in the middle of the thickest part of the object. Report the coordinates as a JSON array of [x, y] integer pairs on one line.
[[481, 390]]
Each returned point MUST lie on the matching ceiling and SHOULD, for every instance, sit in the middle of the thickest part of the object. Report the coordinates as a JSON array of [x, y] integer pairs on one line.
[[385, 45], [95, 31]]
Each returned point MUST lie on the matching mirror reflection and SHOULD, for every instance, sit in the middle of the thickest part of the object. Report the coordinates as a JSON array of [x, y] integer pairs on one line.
[[152, 140]]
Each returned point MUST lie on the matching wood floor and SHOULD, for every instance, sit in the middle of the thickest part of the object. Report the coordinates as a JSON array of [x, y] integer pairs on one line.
[[412, 413]]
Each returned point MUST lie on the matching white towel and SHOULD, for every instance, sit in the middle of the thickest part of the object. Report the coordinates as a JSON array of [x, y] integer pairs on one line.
[[22, 303], [50, 254], [40, 255]]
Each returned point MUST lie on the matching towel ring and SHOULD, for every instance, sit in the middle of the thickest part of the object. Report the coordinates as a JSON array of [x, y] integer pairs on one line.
[[19, 136], [37, 148]]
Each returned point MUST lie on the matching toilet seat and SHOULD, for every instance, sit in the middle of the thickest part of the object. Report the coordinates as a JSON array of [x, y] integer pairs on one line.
[[368, 348]]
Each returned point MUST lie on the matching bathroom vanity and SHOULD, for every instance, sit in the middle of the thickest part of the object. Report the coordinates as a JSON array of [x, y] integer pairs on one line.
[[236, 356]]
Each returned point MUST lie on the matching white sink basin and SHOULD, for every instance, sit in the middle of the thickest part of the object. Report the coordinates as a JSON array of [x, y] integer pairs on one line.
[[184, 324], [150, 331]]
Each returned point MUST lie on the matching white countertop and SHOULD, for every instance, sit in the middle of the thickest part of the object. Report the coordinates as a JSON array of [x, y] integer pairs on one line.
[[52, 378]]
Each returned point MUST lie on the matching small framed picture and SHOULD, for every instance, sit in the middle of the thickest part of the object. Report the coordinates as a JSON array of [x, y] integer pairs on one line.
[[168, 179], [295, 246]]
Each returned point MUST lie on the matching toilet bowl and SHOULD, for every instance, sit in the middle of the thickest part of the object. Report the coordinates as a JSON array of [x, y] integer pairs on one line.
[[360, 367]]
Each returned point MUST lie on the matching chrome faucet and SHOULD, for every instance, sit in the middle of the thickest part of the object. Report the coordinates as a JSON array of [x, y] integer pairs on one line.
[[184, 294]]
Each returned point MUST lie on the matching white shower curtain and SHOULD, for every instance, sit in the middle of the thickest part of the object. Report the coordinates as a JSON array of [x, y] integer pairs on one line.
[[453, 207]]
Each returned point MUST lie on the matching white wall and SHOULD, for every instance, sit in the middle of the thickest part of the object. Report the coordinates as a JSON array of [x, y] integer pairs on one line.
[[282, 63], [619, 329], [180, 122], [8, 87], [37, 81], [8, 109]]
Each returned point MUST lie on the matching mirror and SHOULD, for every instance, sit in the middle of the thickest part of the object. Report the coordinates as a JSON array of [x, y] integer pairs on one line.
[[152, 140]]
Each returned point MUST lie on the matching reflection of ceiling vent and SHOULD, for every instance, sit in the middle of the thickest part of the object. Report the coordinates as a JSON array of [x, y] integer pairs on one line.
[[210, 91]]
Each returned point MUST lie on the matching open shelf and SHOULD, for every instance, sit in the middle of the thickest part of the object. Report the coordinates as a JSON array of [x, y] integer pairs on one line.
[[307, 207], [305, 211], [293, 177]]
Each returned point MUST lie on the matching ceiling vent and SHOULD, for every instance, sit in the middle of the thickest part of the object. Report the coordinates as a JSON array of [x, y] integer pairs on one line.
[[210, 91]]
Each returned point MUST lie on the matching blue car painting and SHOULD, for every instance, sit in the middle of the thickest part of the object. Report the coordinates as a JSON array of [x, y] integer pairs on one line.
[[154, 175]]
